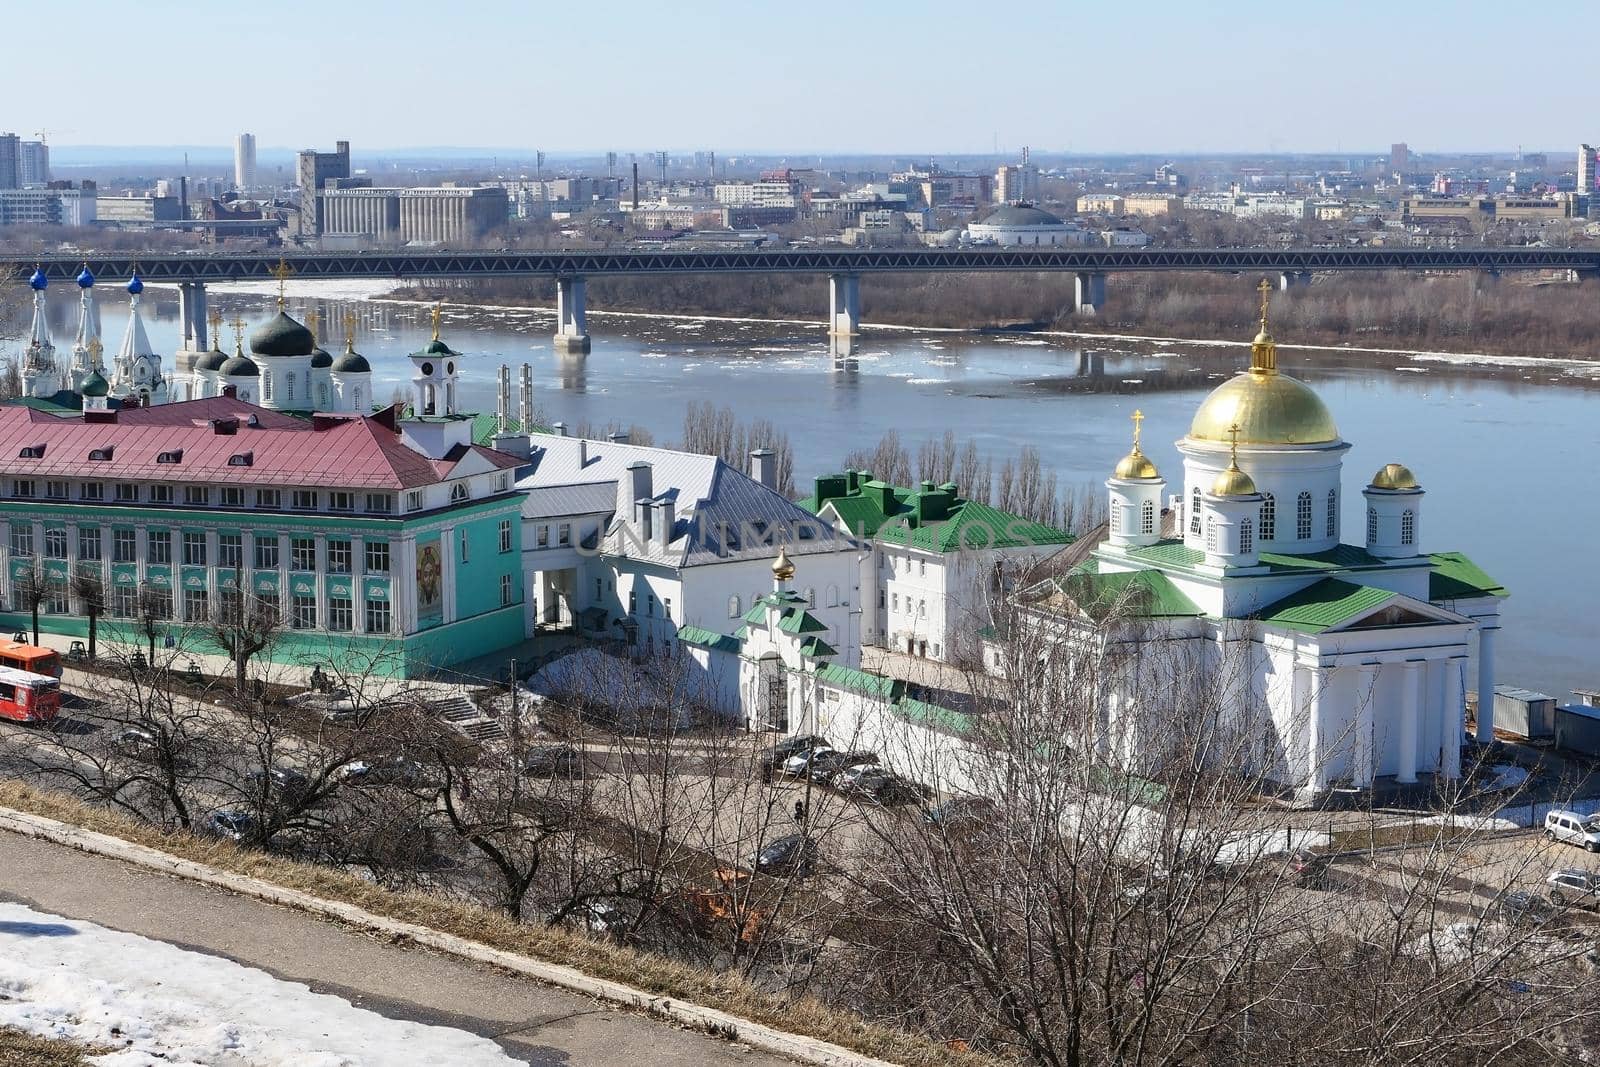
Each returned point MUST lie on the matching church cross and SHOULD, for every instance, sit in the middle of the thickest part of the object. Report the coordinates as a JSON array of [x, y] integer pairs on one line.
[[312, 321], [437, 313], [1137, 417], [238, 334], [1233, 439], [282, 272], [1264, 288], [349, 332], [215, 318]]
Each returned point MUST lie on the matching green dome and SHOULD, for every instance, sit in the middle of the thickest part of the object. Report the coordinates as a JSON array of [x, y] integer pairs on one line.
[[438, 348], [282, 336], [351, 363], [320, 358], [239, 367], [95, 385]]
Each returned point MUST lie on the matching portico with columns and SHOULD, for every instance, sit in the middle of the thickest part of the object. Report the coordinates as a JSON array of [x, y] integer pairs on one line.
[[1356, 658]]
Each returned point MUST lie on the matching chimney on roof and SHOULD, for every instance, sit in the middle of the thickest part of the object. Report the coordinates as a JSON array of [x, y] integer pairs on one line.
[[618, 437], [666, 516], [643, 511], [633, 487], [583, 452], [764, 467], [225, 427], [230, 391], [560, 428]]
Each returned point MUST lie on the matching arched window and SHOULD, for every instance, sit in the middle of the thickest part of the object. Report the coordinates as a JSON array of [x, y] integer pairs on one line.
[[1147, 522], [1302, 517], [266, 386], [355, 399], [1194, 511], [833, 596], [1116, 518], [1408, 527], [1372, 525], [811, 596], [733, 606], [288, 387], [1211, 534], [322, 396], [1333, 512], [1247, 540], [1269, 518]]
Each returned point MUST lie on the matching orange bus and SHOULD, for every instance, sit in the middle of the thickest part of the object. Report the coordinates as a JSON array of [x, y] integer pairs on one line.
[[28, 697], [32, 658]]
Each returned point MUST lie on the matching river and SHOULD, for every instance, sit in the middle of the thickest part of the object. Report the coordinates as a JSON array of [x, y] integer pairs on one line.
[[1502, 450]]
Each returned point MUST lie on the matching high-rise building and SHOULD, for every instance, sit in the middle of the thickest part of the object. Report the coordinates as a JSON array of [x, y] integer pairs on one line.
[[1016, 184], [10, 161], [244, 162], [1399, 158], [1585, 169], [33, 163], [312, 171]]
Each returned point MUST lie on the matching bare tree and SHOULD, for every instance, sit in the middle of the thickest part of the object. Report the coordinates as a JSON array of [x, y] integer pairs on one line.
[[89, 590], [243, 626], [31, 589]]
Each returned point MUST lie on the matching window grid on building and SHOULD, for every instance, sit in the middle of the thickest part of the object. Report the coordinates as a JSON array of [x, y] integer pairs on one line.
[[505, 535], [1211, 534], [1269, 517], [341, 616], [195, 606], [1246, 536], [230, 550], [338, 556], [22, 541], [1333, 513], [158, 546], [1147, 517], [378, 617], [89, 543], [377, 557], [1194, 511], [194, 549], [269, 499], [161, 494], [55, 542], [1408, 527], [1372, 525], [303, 554], [266, 552], [505, 590], [1302, 517], [124, 546], [304, 615]]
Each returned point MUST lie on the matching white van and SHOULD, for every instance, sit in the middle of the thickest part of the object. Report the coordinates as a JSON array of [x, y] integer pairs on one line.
[[1575, 829]]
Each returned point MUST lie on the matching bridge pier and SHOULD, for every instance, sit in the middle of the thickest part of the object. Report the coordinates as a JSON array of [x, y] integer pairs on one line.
[[1090, 292], [1291, 279], [192, 313], [844, 305], [572, 328]]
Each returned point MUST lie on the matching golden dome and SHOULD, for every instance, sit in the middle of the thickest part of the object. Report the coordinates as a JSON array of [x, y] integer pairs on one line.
[[1269, 408], [1233, 482], [782, 567], [1394, 476], [1135, 465]]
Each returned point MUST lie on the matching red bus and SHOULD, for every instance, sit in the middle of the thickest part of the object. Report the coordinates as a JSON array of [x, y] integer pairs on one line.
[[28, 697], [30, 658]]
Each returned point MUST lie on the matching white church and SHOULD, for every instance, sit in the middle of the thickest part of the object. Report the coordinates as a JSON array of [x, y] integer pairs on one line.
[[1358, 656]]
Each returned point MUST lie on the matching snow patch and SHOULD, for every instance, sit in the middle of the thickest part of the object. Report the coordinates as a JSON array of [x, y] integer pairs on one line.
[[161, 1005]]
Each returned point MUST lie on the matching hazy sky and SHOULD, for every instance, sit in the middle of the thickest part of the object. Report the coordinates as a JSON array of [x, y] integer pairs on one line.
[[928, 76]]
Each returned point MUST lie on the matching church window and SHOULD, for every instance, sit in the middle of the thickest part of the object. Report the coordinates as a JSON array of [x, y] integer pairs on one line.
[[1333, 512], [1372, 525], [1302, 517], [733, 606], [1194, 511], [356, 398], [322, 396], [288, 387], [1269, 518], [1408, 527], [1211, 534], [1246, 536], [266, 387], [1147, 522], [1116, 519]]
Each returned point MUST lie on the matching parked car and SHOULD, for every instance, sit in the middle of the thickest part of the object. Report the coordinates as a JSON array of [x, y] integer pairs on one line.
[[1574, 829], [773, 758], [138, 743], [827, 764], [799, 764], [1519, 908], [872, 782], [386, 770], [232, 824], [793, 855], [285, 783], [553, 761], [1573, 886], [960, 810], [1310, 869]]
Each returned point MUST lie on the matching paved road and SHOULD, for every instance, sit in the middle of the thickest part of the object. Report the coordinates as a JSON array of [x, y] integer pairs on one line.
[[532, 1022]]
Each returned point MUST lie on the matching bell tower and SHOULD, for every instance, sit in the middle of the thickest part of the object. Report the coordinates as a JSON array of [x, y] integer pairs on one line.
[[435, 384]]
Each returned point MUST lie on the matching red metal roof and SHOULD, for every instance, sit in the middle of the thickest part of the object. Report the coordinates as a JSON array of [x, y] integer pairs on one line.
[[358, 452]]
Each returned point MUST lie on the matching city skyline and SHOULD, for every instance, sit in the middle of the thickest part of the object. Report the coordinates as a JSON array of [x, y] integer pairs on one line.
[[1067, 87]]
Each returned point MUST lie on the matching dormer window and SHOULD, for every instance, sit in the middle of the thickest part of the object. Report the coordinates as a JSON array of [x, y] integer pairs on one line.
[[100, 455], [241, 459], [174, 455], [458, 492], [31, 452]]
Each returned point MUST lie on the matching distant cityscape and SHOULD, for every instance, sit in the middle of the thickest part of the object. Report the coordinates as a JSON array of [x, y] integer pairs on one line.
[[338, 200]]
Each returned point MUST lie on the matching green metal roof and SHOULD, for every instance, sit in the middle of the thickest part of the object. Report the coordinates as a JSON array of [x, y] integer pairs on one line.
[[965, 523], [873, 685], [1324, 605], [1168, 552], [757, 612], [817, 648], [1147, 594], [796, 621], [1455, 577], [694, 635], [1339, 557], [934, 716]]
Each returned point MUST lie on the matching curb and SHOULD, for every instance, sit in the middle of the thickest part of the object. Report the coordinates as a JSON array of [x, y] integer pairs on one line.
[[718, 1023]]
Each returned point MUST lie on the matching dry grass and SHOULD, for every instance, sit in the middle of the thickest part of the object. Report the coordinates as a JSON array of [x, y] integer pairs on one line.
[[656, 974], [18, 1049]]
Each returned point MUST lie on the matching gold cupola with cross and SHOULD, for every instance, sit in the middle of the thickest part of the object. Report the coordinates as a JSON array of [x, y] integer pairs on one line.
[[1136, 464], [1268, 407]]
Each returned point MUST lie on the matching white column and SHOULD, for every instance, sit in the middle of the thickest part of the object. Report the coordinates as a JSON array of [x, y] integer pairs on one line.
[[447, 583], [358, 585], [5, 562], [1361, 749], [844, 304], [213, 586], [1486, 631], [1307, 687], [322, 581], [1452, 718], [1413, 678]]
